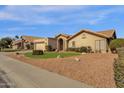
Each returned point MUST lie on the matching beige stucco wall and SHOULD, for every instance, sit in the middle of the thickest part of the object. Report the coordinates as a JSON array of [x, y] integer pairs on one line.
[[65, 44], [88, 41], [40, 46], [14, 47], [52, 42]]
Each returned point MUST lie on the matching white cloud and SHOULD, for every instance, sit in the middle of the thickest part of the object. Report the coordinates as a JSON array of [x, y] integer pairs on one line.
[[31, 15]]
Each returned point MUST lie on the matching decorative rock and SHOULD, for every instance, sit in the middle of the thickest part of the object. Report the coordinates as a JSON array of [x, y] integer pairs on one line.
[[77, 59], [58, 56], [83, 53]]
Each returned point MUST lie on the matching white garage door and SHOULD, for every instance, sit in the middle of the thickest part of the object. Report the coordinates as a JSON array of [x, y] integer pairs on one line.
[[40, 46]]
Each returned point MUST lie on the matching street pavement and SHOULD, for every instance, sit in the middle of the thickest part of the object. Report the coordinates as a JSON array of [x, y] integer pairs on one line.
[[23, 75]]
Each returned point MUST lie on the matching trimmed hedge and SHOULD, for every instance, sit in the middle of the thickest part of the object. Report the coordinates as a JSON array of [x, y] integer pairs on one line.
[[48, 48], [9, 50], [81, 49], [38, 52], [116, 43]]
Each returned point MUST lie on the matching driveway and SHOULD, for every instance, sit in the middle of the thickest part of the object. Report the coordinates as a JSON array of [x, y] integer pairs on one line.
[[25, 75]]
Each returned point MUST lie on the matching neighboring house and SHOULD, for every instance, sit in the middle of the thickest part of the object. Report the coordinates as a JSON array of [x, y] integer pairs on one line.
[[17, 44], [98, 41], [31, 42], [40, 44], [25, 42]]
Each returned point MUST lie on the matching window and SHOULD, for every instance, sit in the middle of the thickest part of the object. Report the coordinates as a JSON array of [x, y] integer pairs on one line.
[[100, 45], [97, 45], [73, 43]]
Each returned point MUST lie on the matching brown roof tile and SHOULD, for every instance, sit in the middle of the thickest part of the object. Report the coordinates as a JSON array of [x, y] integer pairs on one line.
[[88, 31], [108, 33], [30, 38], [65, 35], [16, 42]]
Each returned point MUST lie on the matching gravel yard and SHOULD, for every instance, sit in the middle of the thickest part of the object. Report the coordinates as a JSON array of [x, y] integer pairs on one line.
[[92, 69]]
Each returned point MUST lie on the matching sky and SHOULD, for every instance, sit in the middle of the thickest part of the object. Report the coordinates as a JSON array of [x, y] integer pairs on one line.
[[49, 21]]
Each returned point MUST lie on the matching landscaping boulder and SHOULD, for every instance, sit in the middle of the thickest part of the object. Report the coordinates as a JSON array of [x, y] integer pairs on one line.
[[77, 59], [59, 56]]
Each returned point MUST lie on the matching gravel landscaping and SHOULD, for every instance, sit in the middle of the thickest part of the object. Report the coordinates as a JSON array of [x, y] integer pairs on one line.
[[93, 69]]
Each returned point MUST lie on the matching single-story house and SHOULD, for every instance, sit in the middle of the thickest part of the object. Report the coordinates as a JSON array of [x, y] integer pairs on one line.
[[25, 42], [40, 44], [16, 44], [98, 41], [31, 42]]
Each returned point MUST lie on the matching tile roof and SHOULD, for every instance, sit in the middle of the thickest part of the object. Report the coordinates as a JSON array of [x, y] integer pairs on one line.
[[16, 42], [65, 35], [104, 34], [30, 38], [108, 33]]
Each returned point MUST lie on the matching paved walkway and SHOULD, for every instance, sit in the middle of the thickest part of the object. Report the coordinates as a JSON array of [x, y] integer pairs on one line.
[[25, 75]]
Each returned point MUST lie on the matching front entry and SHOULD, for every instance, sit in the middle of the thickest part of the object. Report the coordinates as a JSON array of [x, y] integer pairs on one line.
[[61, 44]]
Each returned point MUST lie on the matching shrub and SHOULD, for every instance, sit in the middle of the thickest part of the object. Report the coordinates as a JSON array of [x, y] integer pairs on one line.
[[89, 49], [48, 48], [9, 50], [116, 43], [83, 49], [74, 49], [119, 69], [38, 52], [28, 46]]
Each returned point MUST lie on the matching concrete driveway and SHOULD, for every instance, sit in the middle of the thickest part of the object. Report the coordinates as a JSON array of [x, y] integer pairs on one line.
[[27, 76]]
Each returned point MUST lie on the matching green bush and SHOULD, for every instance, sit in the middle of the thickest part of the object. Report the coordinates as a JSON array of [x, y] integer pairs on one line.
[[48, 48], [71, 49], [74, 49], [9, 50], [81, 49], [89, 49], [119, 69], [38, 52], [116, 43]]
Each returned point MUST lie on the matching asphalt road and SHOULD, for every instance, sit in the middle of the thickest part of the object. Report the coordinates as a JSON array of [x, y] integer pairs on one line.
[[24, 75]]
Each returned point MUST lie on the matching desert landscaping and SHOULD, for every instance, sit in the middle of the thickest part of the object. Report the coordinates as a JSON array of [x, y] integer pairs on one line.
[[93, 69]]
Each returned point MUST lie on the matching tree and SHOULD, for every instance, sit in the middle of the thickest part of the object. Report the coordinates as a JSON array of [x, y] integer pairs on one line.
[[6, 42], [2, 44], [116, 43], [16, 37]]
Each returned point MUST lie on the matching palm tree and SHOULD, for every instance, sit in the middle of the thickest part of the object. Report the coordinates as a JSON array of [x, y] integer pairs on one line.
[[17, 37]]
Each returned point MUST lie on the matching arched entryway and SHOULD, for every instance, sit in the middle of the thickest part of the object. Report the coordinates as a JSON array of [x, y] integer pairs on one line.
[[61, 44]]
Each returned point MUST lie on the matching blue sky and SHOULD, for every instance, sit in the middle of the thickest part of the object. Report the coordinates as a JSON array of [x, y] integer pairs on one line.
[[48, 21]]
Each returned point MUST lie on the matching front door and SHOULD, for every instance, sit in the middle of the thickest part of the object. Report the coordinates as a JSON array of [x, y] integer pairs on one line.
[[61, 45]]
